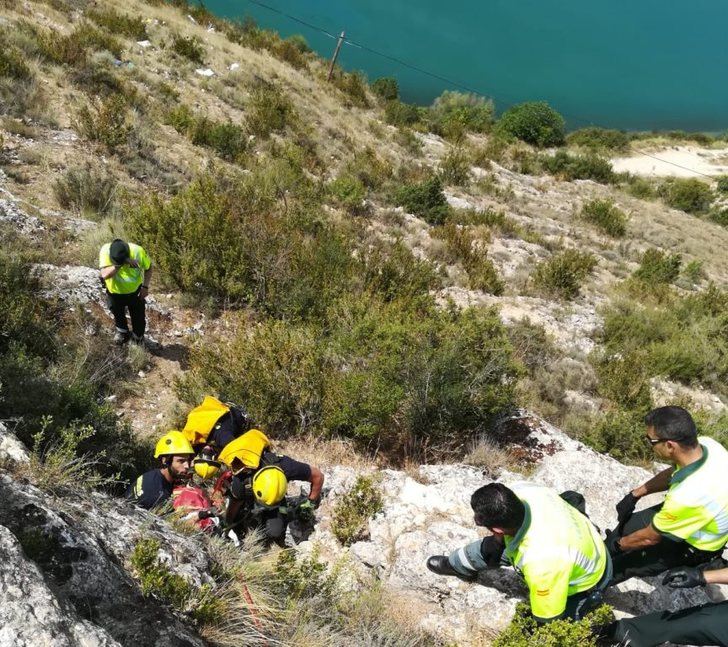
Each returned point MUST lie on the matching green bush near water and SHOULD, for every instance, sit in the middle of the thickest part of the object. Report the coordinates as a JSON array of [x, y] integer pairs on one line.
[[578, 167], [599, 139], [535, 123], [687, 194]]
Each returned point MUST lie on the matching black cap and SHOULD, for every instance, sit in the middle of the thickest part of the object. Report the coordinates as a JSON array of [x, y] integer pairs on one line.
[[119, 251]]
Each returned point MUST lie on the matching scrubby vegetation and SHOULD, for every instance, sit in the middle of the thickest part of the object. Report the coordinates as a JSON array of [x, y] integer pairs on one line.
[[688, 195], [525, 632], [50, 382], [563, 274], [454, 113], [86, 190], [535, 123], [578, 167], [599, 139], [353, 511], [424, 199], [604, 215], [658, 267]]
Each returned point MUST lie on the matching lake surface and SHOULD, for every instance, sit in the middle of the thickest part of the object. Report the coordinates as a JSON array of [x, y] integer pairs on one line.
[[644, 64]]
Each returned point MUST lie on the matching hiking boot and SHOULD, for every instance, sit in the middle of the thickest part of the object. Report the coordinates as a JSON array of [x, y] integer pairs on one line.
[[440, 564], [120, 337]]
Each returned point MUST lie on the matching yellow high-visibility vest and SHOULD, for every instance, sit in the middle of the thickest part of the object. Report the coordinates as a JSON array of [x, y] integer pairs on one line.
[[127, 279], [557, 550]]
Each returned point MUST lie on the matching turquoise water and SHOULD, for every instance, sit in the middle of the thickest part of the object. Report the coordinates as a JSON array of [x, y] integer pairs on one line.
[[644, 64]]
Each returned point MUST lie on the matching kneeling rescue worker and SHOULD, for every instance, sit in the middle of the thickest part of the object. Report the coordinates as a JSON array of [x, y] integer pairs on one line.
[[691, 526], [155, 487], [258, 482], [555, 547]]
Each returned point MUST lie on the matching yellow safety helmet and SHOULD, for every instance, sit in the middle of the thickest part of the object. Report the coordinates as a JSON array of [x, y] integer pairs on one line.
[[269, 485], [205, 464], [173, 443], [248, 449]]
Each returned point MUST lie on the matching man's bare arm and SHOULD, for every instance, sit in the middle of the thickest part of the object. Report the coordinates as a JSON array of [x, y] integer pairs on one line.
[[658, 483], [640, 539], [108, 271]]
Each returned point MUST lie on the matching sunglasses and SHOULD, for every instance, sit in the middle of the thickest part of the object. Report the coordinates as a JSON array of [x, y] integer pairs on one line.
[[657, 441]]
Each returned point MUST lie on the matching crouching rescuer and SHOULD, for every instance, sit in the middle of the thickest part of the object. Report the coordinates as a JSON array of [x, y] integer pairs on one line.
[[257, 489], [554, 547], [155, 487]]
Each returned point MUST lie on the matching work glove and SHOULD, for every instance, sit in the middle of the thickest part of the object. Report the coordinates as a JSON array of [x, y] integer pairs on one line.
[[626, 507], [492, 549], [685, 577], [612, 542]]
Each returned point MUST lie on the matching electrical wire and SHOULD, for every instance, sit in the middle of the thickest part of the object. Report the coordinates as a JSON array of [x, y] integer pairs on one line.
[[447, 80]]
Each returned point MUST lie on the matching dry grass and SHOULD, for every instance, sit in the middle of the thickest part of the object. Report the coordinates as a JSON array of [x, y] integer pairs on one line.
[[491, 456], [326, 452]]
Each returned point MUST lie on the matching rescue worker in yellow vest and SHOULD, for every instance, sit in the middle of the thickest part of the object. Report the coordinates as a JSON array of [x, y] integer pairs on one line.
[[155, 487], [126, 271], [555, 547], [691, 526], [260, 477], [706, 624]]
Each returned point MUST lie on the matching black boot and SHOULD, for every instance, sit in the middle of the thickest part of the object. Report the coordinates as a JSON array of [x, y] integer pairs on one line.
[[440, 564]]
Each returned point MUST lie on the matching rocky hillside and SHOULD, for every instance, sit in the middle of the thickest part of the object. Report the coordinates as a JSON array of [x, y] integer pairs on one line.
[[379, 283], [69, 578]]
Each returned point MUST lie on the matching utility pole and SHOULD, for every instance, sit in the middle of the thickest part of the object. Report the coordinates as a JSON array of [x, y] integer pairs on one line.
[[336, 55]]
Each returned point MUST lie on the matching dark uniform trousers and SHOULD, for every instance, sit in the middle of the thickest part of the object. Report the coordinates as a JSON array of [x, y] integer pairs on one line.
[[703, 625], [655, 559], [118, 304]]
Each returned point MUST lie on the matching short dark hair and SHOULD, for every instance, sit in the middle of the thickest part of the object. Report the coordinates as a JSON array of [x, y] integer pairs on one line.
[[497, 506], [673, 423]]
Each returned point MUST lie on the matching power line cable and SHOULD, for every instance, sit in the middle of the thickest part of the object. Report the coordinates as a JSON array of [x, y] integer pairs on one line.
[[451, 82]]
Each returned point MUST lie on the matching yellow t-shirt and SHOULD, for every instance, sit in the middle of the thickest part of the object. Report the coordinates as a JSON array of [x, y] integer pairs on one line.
[[128, 279]]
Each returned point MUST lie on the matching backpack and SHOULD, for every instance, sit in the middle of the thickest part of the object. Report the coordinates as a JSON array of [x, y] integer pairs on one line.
[[210, 415]]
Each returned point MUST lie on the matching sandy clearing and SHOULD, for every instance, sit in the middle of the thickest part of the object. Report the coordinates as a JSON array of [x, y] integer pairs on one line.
[[679, 161]]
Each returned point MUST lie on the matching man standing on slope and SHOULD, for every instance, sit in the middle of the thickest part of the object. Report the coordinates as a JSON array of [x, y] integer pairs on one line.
[[706, 624], [691, 526], [556, 549], [126, 271]]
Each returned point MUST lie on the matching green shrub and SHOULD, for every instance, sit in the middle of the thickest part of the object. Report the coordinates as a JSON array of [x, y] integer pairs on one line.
[[352, 512], [722, 184], [687, 194], [535, 123], [599, 139], [354, 86], [52, 379], [658, 267], [98, 78], [370, 169], [85, 190], [401, 114], [621, 434], [105, 121], [349, 192], [470, 250], [227, 139], [640, 188], [303, 577], [524, 631], [455, 168], [300, 43], [181, 118], [13, 66], [578, 167], [118, 23], [291, 52], [389, 374], [606, 217], [563, 274], [679, 338], [386, 88], [270, 110], [188, 47], [424, 199], [719, 217], [223, 237], [454, 113], [393, 272], [156, 579], [694, 271]]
